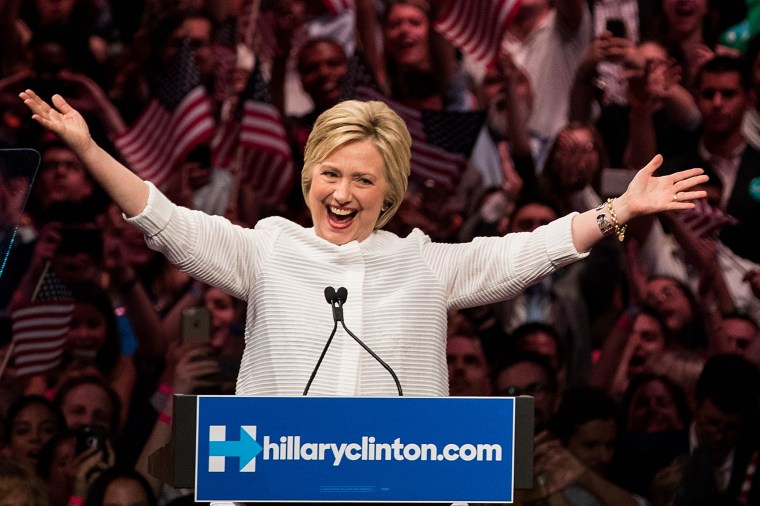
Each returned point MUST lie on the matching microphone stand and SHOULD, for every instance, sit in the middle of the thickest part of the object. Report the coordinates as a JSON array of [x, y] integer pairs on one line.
[[336, 300]]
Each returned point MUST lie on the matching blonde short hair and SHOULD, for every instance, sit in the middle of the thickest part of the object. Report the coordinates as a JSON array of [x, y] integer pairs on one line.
[[355, 121], [15, 478]]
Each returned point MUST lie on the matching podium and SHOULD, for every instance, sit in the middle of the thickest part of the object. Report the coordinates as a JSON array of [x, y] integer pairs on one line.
[[358, 449]]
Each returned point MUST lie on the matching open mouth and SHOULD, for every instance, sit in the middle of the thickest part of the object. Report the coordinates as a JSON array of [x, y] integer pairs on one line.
[[340, 217]]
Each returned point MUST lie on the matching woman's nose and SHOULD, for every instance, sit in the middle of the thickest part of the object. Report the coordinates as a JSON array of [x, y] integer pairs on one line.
[[342, 191]]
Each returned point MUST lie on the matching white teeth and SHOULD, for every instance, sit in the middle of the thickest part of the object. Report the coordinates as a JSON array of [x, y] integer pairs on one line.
[[341, 212]]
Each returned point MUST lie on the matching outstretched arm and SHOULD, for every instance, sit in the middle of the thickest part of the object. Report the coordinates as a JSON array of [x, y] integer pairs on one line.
[[126, 189], [646, 194]]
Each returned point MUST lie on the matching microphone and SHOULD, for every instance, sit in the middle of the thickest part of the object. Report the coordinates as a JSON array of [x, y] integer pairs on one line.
[[332, 298], [336, 300]]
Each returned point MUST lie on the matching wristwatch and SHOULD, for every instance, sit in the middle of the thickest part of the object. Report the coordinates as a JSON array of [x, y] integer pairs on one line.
[[605, 226]]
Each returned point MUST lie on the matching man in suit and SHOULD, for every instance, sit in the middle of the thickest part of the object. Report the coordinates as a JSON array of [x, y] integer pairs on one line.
[[723, 96]]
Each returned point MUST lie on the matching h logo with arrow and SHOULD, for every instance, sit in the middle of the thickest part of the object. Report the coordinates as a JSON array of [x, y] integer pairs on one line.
[[246, 448]]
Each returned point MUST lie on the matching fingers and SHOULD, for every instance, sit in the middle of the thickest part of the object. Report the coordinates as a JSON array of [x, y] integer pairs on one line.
[[40, 107], [28, 95], [686, 176], [653, 164], [60, 103], [35, 102], [685, 198]]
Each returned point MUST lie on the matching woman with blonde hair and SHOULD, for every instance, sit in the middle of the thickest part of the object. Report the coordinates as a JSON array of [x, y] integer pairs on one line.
[[20, 486], [355, 174], [683, 367]]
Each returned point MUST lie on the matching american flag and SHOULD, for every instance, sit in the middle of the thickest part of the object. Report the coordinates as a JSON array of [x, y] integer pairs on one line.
[[257, 130], [337, 7], [39, 328], [704, 220], [441, 140], [477, 26], [178, 118]]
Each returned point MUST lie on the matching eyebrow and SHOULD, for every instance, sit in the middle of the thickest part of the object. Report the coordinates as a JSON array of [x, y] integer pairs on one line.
[[326, 165]]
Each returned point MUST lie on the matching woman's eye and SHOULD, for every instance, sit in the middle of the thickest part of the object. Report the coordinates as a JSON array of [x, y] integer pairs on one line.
[[21, 431]]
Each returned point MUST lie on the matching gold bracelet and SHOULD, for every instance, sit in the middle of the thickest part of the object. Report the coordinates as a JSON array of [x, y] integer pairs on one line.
[[620, 231]]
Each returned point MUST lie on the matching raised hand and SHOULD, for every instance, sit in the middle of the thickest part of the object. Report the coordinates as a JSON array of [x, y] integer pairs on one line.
[[647, 193], [61, 119], [127, 190]]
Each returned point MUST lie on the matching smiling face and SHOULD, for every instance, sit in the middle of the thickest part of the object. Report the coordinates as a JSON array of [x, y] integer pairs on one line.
[[322, 67], [87, 332], [406, 36], [347, 193], [653, 409]]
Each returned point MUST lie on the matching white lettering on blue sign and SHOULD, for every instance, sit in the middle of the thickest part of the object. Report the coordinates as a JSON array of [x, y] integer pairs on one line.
[[369, 449]]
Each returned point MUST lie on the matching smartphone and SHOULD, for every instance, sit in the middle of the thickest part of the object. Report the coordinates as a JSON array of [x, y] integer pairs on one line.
[[616, 27], [90, 436], [196, 324]]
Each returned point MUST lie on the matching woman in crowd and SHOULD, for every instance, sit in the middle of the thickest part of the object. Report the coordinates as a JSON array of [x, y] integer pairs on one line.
[[20, 486], [68, 471], [354, 177], [655, 417], [421, 66], [93, 347], [31, 422], [678, 306]]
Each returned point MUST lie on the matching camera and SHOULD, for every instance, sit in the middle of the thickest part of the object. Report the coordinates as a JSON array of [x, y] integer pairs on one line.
[[90, 436]]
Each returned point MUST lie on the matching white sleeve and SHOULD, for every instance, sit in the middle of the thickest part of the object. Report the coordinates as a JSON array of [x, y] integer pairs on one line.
[[492, 269], [209, 248]]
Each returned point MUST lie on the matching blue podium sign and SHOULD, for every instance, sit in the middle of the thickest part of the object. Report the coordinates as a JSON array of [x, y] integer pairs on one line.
[[328, 449]]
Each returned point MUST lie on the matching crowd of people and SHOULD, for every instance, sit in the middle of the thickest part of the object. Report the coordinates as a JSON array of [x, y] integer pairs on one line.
[[643, 358]]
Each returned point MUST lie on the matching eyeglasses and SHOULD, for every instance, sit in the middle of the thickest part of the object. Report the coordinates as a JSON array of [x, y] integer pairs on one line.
[[532, 389]]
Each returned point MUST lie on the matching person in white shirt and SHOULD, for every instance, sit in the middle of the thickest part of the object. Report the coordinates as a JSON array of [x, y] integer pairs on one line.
[[399, 289]]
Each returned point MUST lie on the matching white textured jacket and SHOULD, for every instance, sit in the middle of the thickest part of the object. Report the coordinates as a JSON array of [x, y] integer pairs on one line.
[[399, 291]]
